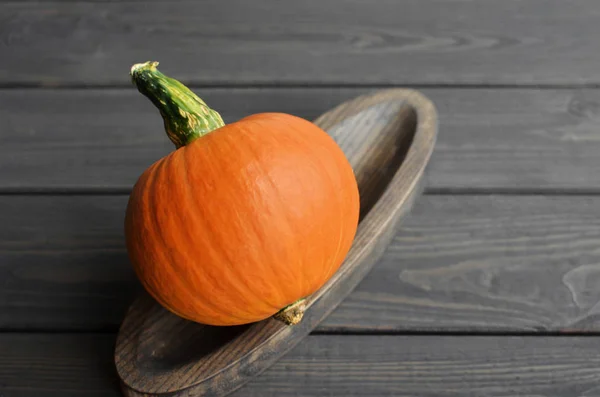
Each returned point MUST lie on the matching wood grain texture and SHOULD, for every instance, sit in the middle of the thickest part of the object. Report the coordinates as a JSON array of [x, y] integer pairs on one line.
[[485, 263], [63, 263], [52, 365], [314, 41], [491, 139], [388, 138], [459, 263]]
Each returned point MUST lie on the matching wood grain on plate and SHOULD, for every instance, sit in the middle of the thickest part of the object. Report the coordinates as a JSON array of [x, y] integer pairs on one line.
[[491, 139], [459, 263], [313, 41], [74, 365]]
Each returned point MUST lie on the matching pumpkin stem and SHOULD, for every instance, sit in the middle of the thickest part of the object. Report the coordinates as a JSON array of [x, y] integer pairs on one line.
[[292, 314], [186, 116]]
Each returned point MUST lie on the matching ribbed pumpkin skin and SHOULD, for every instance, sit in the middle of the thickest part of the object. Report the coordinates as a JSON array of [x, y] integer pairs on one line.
[[243, 221]]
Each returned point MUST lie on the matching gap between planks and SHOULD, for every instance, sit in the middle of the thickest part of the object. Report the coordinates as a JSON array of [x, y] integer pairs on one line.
[[442, 191], [284, 85], [338, 332]]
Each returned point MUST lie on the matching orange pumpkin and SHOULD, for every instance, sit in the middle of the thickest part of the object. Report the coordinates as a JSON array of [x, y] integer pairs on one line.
[[242, 220]]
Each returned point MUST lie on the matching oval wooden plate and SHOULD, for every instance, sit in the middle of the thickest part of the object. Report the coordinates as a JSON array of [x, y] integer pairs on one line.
[[388, 137]]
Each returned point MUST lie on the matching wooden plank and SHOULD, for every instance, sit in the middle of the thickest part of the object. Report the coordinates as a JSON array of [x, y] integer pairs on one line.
[[460, 263], [75, 365], [489, 138], [63, 262], [106, 138], [313, 41], [57, 365]]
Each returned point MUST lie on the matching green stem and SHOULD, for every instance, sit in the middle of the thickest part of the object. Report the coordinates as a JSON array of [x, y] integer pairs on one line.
[[186, 116]]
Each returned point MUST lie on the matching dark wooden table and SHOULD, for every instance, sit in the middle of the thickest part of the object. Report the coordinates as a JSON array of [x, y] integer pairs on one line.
[[491, 288]]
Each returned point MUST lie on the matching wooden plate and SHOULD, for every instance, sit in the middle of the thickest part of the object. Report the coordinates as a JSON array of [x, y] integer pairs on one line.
[[388, 137]]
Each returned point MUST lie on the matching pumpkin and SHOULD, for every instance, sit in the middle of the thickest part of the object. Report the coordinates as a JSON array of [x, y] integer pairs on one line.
[[242, 221]]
